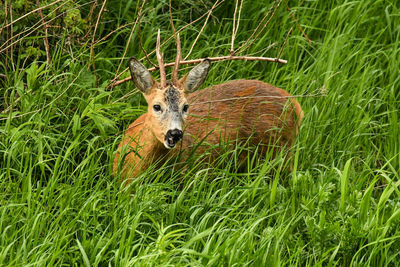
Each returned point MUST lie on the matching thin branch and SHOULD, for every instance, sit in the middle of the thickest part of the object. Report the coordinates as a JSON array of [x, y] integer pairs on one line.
[[33, 11], [131, 33], [89, 16], [170, 18], [91, 58], [258, 26], [46, 40], [165, 42], [297, 23], [32, 29], [114, 31], [260, 96], [222, 58], [15, 102], [263, 50], [144, 50], [89, 19], [47, 105], [284, 43], [125, 96], [247, 44], [5, 17], [235, 27], [163, 76], [202, 28]]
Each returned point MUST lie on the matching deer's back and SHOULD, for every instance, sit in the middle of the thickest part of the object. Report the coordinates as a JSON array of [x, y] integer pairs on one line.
[[242, 110]]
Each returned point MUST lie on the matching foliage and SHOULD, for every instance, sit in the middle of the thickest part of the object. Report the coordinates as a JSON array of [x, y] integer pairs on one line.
[[60, 125]]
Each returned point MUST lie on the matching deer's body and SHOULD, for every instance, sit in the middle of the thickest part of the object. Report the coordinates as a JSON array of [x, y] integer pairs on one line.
[[244, 111], [236, 111]]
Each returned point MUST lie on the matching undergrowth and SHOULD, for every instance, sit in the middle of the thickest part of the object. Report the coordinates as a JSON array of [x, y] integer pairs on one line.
[[61, 124]]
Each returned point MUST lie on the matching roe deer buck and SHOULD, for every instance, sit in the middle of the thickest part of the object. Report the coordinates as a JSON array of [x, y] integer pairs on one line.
[[243, 110]]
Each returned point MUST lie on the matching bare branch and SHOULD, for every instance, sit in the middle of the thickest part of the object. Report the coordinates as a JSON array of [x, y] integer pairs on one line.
[[36, 26], [114, 31], [130, 35], [89, 19], [284, 43], [177, 60], [166, 41], [163, 76], [247, 44], [297, 23], [235, 27], [170, 18], [222, 58], [142, 48], [204, 25], [5, 18], [260, 96], [33, 11]]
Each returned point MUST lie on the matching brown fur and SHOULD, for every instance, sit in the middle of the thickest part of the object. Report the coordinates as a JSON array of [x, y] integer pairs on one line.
[[236, 110]]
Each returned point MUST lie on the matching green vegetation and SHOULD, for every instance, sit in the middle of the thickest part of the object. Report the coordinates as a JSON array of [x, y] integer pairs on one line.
[[59, 128]]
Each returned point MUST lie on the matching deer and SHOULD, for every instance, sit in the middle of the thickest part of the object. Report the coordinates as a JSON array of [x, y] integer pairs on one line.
[[180, 117]]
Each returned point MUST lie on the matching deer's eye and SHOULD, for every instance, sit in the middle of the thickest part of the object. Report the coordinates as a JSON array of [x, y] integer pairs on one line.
[[157, 108], [185, 108]]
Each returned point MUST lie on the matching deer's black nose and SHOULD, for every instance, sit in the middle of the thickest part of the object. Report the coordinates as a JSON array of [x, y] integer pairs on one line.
[[173, 136]]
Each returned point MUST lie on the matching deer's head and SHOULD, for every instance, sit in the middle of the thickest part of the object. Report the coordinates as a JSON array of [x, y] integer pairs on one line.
[[167, 101]]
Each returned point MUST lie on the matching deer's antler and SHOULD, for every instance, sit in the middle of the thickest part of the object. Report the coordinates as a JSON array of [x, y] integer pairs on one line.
[[163, 76]]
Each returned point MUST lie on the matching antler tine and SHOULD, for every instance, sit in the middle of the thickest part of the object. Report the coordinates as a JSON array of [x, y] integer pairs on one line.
[[163, 76], [177, 60]]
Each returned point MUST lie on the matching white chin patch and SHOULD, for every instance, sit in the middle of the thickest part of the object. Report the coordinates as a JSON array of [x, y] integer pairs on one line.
[[169, 146]]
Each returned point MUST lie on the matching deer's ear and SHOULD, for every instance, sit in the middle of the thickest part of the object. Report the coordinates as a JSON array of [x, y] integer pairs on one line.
[[195, 78], [141, 77]]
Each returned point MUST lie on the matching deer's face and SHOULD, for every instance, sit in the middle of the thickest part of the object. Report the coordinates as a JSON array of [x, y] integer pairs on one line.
[[167, 106], [167, 113]]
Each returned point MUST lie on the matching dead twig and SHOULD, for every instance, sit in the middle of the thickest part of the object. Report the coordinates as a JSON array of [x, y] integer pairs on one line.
[[222, 58], [165, 42], [15, 102], [297, 23], [114, 31], [235, 26], [47, 105], [260, 96], [284, 43], [89, 19], [247, 44], [36, 26], [262, 50], [31, 12], [144, 50], [46, 40], [170, 18], [202, 28], [130, 35], [5, 17]]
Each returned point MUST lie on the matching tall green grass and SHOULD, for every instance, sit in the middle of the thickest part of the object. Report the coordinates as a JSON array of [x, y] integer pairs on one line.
[[60, 205]]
